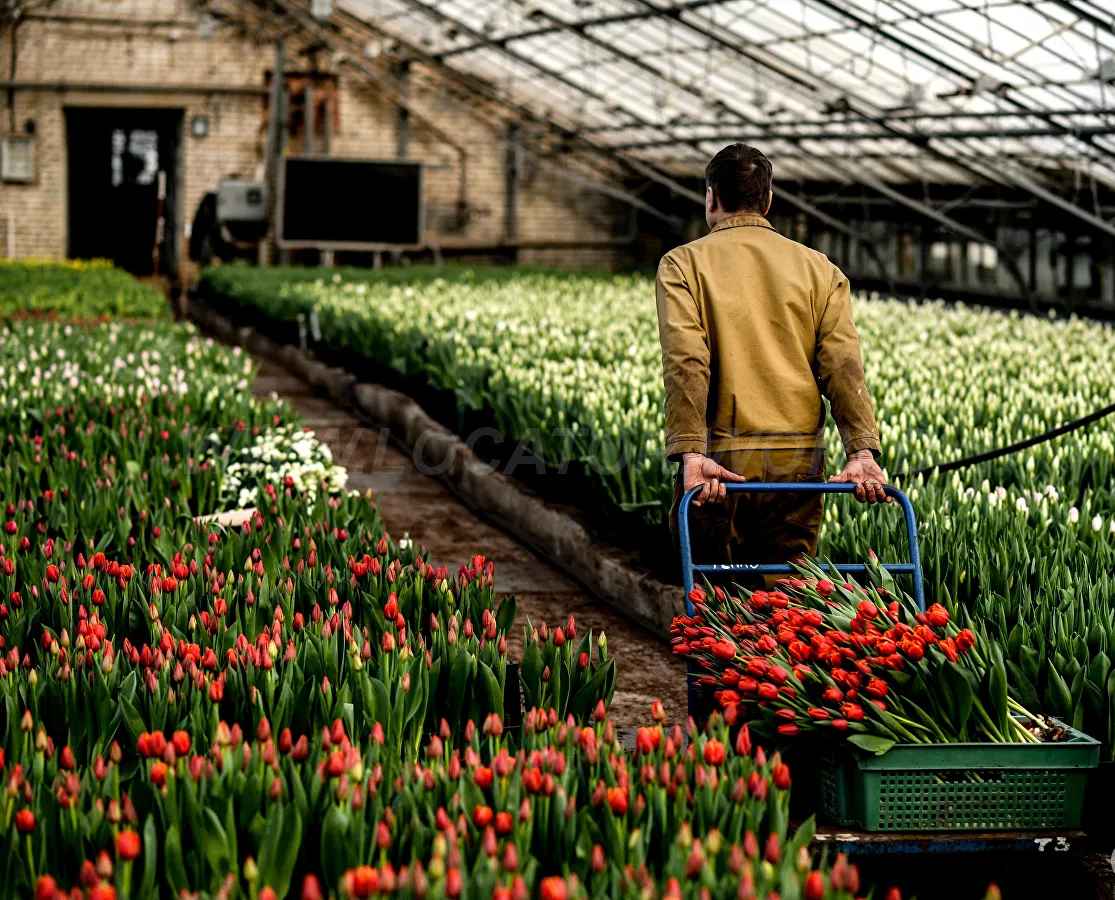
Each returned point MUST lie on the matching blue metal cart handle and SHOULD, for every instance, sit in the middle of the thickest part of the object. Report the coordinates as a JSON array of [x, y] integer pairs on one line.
[[913, 567]]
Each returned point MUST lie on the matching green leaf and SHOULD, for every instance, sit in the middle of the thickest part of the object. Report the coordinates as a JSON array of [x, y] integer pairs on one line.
[[271, 849], [382, 704], [334, 858], [1077, 694], [871, 743], [175, 868], [132, 720], [505, 615], [997, 688], [492, 689], [584, 701], [1023, 690], [150, 859], [963, 694], [1058, 697], [215, 843], [458, 686], [289, 843], [530, 673]]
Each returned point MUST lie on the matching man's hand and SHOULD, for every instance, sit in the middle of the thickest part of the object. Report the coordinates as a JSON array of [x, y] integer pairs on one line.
[[869, 478], [698, 469]]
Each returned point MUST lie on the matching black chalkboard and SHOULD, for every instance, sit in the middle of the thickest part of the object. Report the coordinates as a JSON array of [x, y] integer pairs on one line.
[[350, 202]]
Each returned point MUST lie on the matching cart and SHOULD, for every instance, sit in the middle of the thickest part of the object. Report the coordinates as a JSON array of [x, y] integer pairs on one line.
[[839, 838]]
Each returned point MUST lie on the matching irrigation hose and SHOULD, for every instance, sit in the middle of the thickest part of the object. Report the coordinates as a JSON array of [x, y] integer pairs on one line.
[[1011, 448]]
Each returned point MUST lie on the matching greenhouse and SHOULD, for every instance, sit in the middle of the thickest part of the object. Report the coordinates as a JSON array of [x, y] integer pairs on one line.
[[561, 449]]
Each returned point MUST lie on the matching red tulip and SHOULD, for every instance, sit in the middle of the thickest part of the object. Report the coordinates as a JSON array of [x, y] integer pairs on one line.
[[181, 742], [937, 615], [782, 777], [876, 687], [553, 888], [453, 883], [483, 777], [25, 821], [46, 888], [482, 816], [311, 888], [127, 844], [364, 881], [158, 774], [714, 752], [617, 800], [598, 860], [503, 823], [773, 852], [814, 886]]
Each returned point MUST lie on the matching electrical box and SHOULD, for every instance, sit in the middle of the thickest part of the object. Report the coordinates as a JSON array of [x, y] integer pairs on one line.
[[241, 201], [17, 159]]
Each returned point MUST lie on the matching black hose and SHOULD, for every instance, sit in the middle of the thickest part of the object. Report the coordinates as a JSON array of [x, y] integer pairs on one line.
[[1012, 448]]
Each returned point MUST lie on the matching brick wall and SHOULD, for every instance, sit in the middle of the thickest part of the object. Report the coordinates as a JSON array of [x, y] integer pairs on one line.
[[124, 46]]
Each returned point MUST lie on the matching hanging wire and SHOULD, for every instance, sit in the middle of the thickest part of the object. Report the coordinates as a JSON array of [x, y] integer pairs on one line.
[[871, 47]]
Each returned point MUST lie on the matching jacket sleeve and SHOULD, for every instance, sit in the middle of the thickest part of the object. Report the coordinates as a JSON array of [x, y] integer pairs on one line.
[[685, 362], [840, 369]]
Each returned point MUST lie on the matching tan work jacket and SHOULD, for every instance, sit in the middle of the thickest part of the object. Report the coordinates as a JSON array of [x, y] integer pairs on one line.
[[755, 328]]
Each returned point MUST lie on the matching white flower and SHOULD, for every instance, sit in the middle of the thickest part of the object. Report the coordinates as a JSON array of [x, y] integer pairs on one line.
[[1097, 523], [1074, 515]]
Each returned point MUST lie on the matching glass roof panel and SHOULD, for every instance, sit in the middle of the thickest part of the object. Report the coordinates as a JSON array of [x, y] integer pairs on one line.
[[826, 85]]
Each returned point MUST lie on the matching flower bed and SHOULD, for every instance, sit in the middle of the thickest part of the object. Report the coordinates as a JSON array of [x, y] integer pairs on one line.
[[75, 289], [573, 362], [300, 705]]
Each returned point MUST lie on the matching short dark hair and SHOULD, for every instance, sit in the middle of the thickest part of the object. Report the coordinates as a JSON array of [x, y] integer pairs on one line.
[[740, 178]]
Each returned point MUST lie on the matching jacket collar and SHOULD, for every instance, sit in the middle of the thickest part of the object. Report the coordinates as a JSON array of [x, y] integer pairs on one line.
[[743, 219]]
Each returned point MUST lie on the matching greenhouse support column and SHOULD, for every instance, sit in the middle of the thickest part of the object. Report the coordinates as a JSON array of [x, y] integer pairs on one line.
[[923, 260], [1033, 258], [308, 117], [402, 114], [327, 122], [511, 160], [274, 138]]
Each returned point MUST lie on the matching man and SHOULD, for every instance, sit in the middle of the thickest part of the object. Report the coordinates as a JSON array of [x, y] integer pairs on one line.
[[755, 328]]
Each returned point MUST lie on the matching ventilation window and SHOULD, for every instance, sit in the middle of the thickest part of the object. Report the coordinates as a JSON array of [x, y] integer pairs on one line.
[[17, 159]]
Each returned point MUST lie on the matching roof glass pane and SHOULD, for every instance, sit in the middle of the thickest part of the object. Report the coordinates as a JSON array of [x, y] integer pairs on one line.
[[825, 85]]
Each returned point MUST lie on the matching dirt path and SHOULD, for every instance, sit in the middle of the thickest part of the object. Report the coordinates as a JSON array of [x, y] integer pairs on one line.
[[420, 506]]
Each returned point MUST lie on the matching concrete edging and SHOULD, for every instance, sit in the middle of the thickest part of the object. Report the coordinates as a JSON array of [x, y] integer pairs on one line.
[[550, 532]]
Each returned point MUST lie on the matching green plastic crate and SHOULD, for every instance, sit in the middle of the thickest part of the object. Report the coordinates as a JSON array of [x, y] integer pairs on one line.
[[960, 787]]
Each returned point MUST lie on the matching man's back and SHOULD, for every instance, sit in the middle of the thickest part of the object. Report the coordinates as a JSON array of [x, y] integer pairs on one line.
[[752, 324]]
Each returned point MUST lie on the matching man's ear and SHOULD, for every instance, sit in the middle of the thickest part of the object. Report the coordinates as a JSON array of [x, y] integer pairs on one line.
[[710, 200], [770, 200]]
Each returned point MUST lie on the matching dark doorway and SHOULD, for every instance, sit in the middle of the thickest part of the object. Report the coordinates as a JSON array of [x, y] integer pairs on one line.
[[117, 159]]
